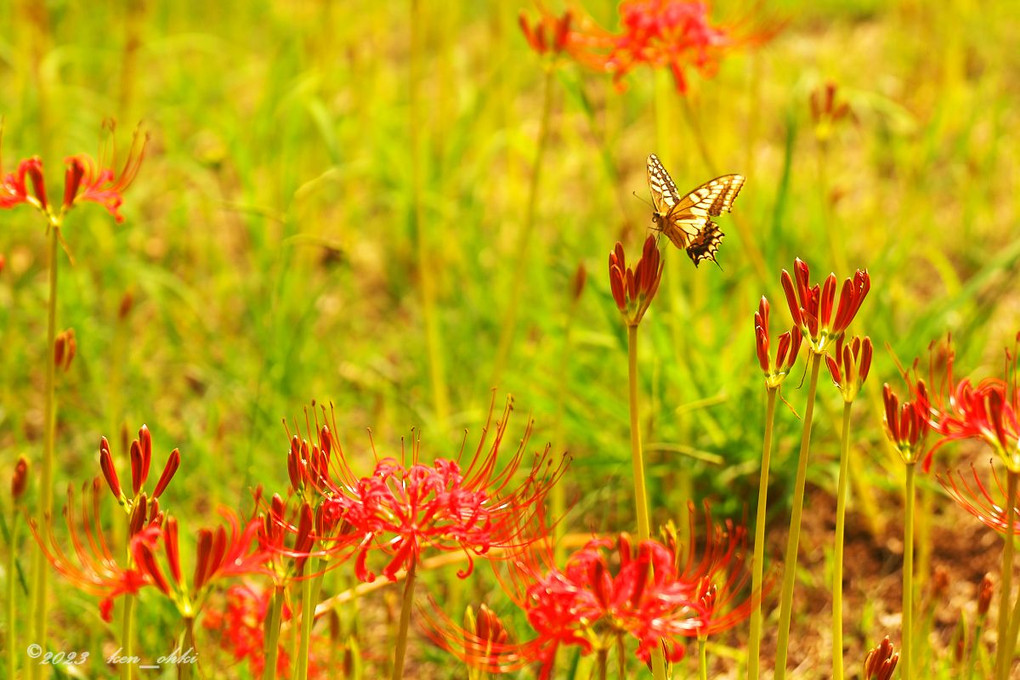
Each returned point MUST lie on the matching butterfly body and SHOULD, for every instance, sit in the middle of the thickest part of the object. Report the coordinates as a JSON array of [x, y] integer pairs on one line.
[[687, 220]]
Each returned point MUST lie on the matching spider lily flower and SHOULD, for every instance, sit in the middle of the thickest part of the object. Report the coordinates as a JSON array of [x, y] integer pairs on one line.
[[141, 458], [406, 508], [812, 307], [849, 365], [93, 567], [881, 661], [786, 351], [548, 34], [596, 606], [988, 411], [673, 34], [634, 289], [609, 591], [720, 573], [220, 553], [84, 180], [826, 111], [907, 425], [978, 499]]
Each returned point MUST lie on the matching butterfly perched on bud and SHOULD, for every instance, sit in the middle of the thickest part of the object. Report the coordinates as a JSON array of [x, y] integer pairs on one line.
[[687, 220]]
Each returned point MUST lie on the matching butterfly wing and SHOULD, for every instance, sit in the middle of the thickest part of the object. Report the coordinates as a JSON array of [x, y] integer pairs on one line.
[[686, 220], [665, 196]]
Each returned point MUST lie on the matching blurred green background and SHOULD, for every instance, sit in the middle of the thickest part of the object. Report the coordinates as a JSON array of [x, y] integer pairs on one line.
[[274, 252]]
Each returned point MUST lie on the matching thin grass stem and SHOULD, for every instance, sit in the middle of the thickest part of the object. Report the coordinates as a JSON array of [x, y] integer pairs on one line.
[[758, 559], [637, 458], [39, 582], [793, 541], [837, 571], [1004, 650], [907, 643], [12, 629], [703, 657]]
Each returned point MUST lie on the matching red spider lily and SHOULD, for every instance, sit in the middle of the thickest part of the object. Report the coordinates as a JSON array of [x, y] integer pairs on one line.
[[634, 289], [881, 662], [719, 574], [849, 365], [907, 425], [589, 604], [786, 352], [548, 34], [978, 501], [288, 541], [673, 34], [84, 180], [241, 627], [219, 553], [141, 458], [812, 306], [94, 568], [404, 509], [659, 593], [483, 643], [987, 411], [826, 111]]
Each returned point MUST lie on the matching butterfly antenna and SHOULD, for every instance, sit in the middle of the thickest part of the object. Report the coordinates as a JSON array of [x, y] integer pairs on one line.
[[643, 200]]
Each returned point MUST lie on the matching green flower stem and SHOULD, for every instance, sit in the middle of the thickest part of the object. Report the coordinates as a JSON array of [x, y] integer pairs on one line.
[[703, 657], [758, 560], [187, 647], [309, 596], [12, 628], [837, 571], [793, 541], [39, 582], [602, 661], [271, 634], [637, 458], [127, 636], [907, 643], [521, 258], [1004, 650], [405, 622]]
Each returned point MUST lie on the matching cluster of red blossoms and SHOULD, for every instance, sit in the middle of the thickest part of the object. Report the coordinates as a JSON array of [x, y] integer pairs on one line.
[[658, 593], [956, 410], [84, 180], [673, 34]]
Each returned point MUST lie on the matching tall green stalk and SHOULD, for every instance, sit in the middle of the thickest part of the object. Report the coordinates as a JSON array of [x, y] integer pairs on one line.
[[907, 644], [405, 621], [271, 636], [39, 582], [1005, 645], [12, 628], [637, 458], [793, 541], [127, 636], [837, 569], [309, 596], [521, 259], [703, 657], [758, 560]]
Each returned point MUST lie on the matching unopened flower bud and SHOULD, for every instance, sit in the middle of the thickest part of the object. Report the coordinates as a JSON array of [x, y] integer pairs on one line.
[[20, 478]]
